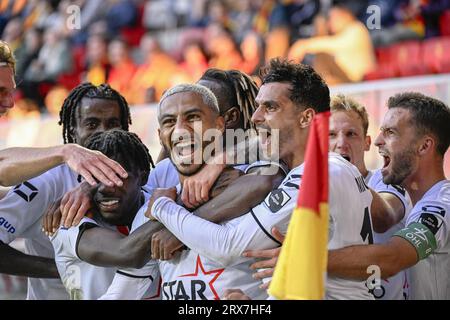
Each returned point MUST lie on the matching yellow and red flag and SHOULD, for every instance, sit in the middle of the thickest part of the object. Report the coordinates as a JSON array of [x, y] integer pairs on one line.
[[300, 272]]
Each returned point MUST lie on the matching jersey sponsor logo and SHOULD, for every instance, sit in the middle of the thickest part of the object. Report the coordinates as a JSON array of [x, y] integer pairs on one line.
[[277, 200], [26, 191], [6, 225], [431, 221], [198, 285]]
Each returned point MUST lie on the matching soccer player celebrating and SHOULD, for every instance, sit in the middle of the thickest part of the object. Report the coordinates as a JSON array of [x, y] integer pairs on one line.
[[287, 101], [87, 255], [87, 109], [413, 140]]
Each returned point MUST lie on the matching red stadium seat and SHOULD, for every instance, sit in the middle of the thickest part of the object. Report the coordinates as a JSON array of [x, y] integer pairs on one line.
[[408, 57], [385, 68], [444, 22], [436, 54]]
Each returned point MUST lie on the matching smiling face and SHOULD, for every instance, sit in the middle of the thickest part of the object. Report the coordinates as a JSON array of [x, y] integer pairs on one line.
[[7, 87], [277, 111], [347, 137], [397, 143], [118, 205], [95, 115], [183, 121]]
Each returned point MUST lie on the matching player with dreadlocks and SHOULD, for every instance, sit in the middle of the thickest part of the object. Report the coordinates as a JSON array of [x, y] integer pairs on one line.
[[235, 92], [68, 114], [87, 110], [99, 243]]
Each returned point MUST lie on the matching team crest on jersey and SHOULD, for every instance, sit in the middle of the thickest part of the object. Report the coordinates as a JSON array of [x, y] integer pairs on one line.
[[277, 199], [198, 285], [26, 191]]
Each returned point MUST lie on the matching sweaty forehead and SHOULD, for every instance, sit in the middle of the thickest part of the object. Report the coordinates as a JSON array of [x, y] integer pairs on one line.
[[99, 108]]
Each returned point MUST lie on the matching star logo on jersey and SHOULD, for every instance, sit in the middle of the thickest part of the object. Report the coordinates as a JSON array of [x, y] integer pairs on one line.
[[26, 191], [200, 272]]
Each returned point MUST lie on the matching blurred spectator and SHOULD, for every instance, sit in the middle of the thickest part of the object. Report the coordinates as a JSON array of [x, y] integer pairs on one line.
[[194, 62], [224, 52], [157, 72], [55, 99], [241, 18], [28, 50], [395, 22], [121, 13], [252, 48], [431, 11], [54, 59], [297, 16], [97, 64], [158, 15], [344, 56], [13, 33], [122, 67]]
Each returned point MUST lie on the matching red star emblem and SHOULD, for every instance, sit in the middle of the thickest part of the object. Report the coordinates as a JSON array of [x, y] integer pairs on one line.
[[198, 266]]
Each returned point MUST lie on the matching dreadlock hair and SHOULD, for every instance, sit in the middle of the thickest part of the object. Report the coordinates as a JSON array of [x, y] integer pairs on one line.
[[68, 117], [308, 89], [124, 147], [239, 90]]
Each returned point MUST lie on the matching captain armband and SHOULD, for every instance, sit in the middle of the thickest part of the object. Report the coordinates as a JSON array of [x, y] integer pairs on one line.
[[420, 237]]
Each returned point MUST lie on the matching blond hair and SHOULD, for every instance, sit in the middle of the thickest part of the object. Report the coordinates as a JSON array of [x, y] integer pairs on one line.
[[341, 102], [7, 56]]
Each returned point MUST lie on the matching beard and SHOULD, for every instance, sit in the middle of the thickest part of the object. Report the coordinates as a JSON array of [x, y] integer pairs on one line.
[[402, 166]]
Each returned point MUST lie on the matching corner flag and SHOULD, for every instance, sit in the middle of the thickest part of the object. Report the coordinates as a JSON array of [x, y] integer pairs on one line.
[[300, 272]]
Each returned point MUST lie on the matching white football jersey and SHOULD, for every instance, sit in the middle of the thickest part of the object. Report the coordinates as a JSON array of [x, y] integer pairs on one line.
[[395, 287], [83, 281], [224, 244], [350, 222], [136, 284], [429, 278], [21, 212]]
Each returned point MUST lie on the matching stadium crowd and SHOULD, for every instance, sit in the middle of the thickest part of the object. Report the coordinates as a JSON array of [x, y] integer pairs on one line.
[[123, 41], [207, 219]]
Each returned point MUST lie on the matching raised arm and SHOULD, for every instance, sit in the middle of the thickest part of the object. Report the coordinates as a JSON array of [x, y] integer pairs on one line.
[[18, 263], [20, 164]]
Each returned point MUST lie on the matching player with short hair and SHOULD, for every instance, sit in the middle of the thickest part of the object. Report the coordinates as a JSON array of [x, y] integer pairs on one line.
[[181, 109], [290, 96], [413, 140], [87, 109]]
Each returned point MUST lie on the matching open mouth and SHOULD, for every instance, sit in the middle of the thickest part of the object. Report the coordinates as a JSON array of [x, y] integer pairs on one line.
[[264, 136], [107, 205], [346, 157], [183, 151], [386, 160]]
